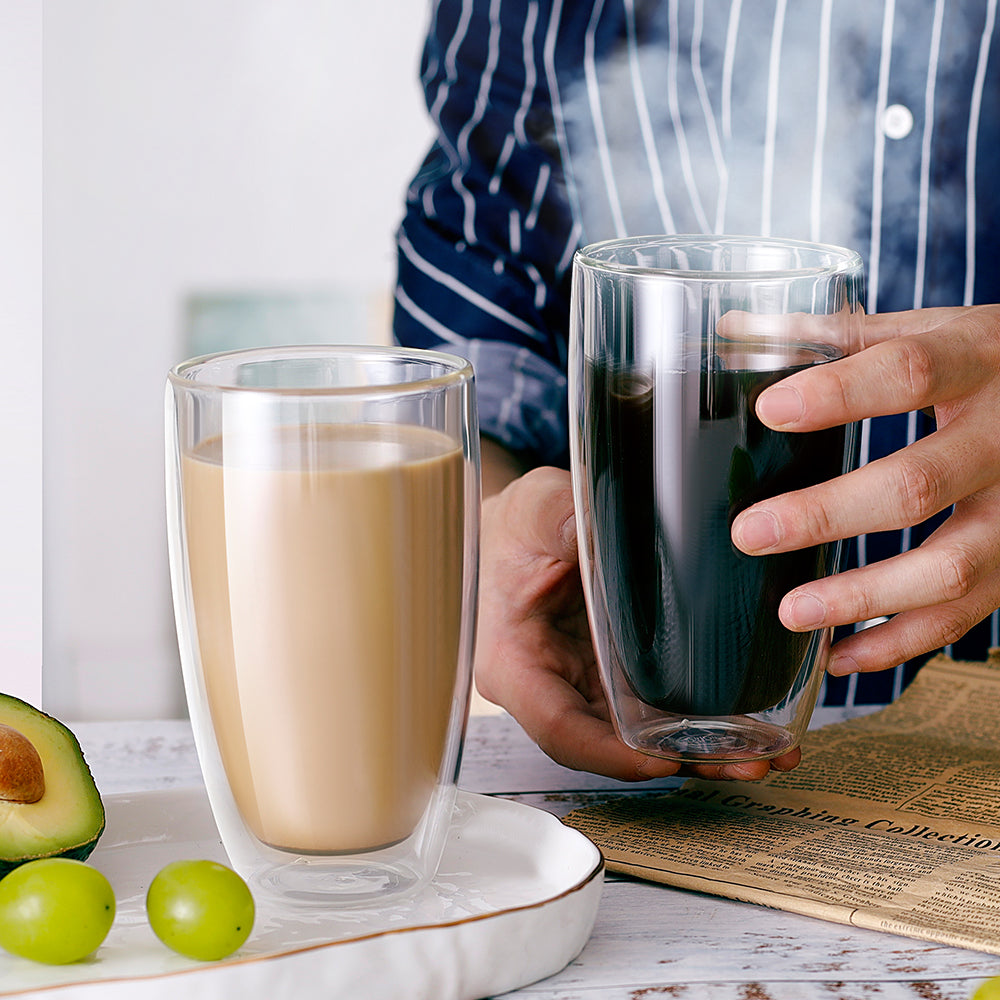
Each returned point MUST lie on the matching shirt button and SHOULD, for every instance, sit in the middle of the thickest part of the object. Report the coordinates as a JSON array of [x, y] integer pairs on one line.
[[897, 121]]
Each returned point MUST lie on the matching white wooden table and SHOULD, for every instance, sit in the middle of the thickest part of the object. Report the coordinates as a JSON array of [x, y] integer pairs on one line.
[[649, 941]]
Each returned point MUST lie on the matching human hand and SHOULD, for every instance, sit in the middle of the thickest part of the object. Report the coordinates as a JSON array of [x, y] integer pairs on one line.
[[534, 654], [948, 359]]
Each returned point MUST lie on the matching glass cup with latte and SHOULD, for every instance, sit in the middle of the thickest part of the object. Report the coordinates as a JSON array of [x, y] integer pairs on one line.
[[323, 509]]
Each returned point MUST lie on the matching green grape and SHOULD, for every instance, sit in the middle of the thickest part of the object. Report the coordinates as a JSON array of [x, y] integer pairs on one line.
[[201, 909], [990, 990], [55, 910]]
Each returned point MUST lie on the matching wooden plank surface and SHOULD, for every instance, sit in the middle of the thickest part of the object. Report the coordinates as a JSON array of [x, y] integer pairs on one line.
[[650, 941]]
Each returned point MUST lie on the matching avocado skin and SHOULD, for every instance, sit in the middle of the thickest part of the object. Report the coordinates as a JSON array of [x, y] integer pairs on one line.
[[69, 782], [80, 853]]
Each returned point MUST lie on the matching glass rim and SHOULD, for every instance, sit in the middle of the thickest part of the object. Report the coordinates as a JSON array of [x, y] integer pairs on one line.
[[456, 370], [843, 259]]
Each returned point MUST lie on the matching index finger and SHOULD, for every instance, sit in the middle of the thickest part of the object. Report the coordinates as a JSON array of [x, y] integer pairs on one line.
[[894, 375], [879, 327]]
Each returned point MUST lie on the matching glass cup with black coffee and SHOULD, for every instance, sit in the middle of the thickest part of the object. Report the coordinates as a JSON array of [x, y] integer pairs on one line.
[[672, 340]]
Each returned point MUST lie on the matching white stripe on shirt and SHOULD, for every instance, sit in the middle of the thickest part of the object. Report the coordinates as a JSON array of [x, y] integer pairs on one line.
[[597, 117], [559, 123], [645, 123], [732, 30], [970, 154], [541, 289], [923, 205], [706, 106], [450, 73], [464, 291], [513, 400], [530, 72], [771, 123], [509, 142], [575, 235], [822, 98], [514, 231], [544, 173], [864, 448], [482, 100], [426, 319], [911, 436], [881, 102], [432, 63], [673, 101]]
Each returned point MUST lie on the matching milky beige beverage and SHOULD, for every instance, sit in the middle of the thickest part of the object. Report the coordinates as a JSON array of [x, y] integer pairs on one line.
[[327, 607]]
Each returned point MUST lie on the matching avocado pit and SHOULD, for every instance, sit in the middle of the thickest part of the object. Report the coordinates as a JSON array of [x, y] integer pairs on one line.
[[22, 777]]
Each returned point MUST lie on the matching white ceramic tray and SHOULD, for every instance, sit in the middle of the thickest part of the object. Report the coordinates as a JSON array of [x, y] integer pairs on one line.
[[514, 901]]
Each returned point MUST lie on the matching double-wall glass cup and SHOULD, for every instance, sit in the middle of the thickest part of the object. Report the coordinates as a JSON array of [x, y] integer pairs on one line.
[[323, 519], [672, 340]]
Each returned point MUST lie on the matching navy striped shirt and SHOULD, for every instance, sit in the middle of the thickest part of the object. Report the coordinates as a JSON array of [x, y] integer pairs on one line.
[[866, 123]]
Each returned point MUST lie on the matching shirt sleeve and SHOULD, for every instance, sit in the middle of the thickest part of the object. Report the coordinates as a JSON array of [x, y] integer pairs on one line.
[[485, 244]]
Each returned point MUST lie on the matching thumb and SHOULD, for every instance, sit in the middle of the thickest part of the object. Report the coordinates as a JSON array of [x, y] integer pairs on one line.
[[537, 513]]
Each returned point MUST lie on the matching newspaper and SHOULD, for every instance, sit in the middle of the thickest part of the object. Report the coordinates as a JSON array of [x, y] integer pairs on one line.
[[891, 822]]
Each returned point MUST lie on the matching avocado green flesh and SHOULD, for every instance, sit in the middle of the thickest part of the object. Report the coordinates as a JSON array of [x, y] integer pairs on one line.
[[69, 818]]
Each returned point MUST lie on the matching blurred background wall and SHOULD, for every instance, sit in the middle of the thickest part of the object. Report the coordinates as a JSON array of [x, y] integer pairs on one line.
[[215, 172], [21, 342]]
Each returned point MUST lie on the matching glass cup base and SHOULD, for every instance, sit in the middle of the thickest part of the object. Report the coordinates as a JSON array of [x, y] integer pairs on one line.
[[713, 740], [335, 883]]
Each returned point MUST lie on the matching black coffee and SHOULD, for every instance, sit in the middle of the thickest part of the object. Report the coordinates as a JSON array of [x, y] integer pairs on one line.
[[693, 621]]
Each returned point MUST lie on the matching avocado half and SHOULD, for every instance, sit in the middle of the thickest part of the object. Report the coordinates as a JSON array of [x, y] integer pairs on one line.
[[49, 803]]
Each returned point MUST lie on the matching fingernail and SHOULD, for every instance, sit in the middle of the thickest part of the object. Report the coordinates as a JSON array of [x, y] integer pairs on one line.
[[841, 665], [779, 765], [568, 532], [750, 771], [757, 531], [805, 611], [780, 405]]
